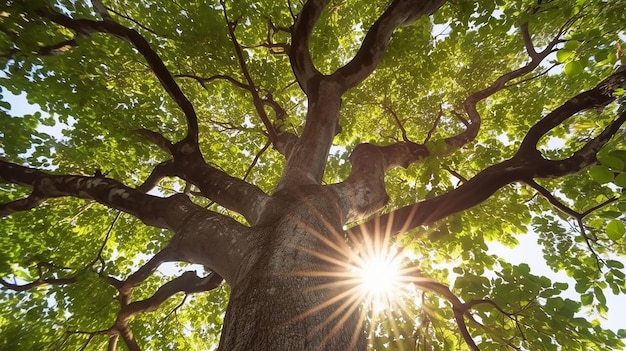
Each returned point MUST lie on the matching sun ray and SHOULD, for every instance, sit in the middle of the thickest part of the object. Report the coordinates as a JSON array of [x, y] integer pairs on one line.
[[368, 273]]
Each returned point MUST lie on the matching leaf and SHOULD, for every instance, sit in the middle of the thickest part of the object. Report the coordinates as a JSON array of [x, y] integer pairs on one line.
[[571, 45], [561, 286], [620, 180], [564, 54], [596, 223], [614, 264], [612, 162], [599, 295], [615, 229], [621, 154], [573, 68], [601, 174], [586, 299], [609, 214]]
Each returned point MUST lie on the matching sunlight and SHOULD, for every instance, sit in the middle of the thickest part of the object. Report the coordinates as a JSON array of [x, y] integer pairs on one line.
[[372, 276], [380, 279]]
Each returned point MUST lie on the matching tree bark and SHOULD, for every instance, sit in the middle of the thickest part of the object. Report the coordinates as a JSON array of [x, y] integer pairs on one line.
[[293, 292]]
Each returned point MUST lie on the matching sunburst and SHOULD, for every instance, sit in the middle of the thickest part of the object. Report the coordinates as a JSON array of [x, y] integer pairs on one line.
[[380, 278], [372, 276]]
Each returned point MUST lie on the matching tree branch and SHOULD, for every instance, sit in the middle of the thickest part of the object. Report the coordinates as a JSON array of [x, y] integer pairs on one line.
[[299, 55], [49, 50], [470, 103], [599, 96], [88, 27], [458, 307], [399, 12], [230, 192], [39, 282], [162, 170], [256, 159], [526, 164], [578, 216], [202, 81], [158, 139], [150, 209], [258, 103], [188, 283], [405, 153], [25, 204]]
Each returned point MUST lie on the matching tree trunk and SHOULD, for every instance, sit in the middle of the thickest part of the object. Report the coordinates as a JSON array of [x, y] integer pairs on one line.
[[292, 292]]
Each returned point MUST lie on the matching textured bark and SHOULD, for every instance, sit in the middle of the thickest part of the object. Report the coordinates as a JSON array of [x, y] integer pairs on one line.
[[289, 295]]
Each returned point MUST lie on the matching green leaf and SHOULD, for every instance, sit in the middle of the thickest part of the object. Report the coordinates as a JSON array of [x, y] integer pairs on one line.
[[561, 286], [615, 229], [586, 299], [571, 45], [621, 154], [620, 180], [610, 214], [596, 223], [601, 174], [564, 54], [612, 162], [599, 295], [573, 68], [614, 264]]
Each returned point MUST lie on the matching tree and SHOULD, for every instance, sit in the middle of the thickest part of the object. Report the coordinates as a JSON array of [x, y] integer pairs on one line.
[[284, 147]]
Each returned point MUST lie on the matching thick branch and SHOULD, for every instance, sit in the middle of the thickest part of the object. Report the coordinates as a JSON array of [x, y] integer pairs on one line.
[[299, 55], [229, 192], [201, 236], [159, 172], [158, 139], [129, 338], [308, 158], [599, 96], [363, 192], [88, 27], [188, 283], [459, 308], [399, 12], [125, 287], [151, 210], [527, 163], [470, 103], [404, 153]]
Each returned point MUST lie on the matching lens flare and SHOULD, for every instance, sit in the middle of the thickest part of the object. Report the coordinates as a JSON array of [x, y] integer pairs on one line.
[[380, 279]]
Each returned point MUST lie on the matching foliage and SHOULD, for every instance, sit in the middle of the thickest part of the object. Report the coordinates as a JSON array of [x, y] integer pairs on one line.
[[96, 93]]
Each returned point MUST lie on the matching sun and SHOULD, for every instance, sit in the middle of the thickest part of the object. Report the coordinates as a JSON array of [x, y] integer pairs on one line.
[[380, 278], [370, 275]]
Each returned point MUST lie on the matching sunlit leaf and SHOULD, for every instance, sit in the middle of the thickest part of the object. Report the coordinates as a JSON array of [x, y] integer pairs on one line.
[[615, 229], [564, 55], [573, 68], [601, 174]]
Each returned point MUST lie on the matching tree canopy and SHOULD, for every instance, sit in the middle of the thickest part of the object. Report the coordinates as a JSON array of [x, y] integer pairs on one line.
[[432, 128]]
